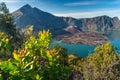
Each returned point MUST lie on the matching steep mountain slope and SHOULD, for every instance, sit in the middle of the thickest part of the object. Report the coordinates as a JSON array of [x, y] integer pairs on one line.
[[26, 16]]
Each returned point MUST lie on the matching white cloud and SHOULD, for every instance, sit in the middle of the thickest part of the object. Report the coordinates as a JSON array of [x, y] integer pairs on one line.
[[80, 3], [111, 13], [84, 3], [14, 1], [9, 1]]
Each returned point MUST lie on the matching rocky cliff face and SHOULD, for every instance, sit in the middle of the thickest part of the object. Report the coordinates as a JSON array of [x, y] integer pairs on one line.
[[101, 23], [27, 16]]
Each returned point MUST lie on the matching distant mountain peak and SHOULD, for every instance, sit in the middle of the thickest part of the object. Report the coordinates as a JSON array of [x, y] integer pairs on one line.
[[27, 6], [28, 15]]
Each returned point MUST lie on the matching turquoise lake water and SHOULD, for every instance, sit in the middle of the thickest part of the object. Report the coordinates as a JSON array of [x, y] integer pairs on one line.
[[115, 39], [83, 50], [78, 49]]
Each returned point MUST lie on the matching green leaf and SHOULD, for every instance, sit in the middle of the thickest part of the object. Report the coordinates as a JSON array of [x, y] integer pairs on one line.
[[37, 77]]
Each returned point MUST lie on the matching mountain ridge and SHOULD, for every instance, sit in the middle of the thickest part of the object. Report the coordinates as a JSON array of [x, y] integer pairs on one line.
[[28, 15]]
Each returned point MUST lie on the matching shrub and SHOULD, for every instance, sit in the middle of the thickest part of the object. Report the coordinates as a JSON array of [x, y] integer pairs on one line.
[[35, 61]]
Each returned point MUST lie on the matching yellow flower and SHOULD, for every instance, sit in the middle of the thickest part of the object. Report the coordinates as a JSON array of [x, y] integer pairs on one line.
[[16, 56], [6, 40], [51, 52], [48, 53]]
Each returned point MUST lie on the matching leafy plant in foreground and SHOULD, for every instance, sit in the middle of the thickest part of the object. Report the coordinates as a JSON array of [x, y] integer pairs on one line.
[[5, 47], [35, 61]]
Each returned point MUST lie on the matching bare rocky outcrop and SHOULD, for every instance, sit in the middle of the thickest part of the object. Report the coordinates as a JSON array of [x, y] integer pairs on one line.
[[88, 38]]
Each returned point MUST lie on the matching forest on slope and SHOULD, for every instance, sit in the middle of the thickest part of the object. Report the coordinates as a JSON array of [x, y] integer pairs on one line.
[[29, 57]]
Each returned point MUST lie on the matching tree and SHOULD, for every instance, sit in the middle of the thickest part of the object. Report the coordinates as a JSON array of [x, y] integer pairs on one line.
[[7, 26], [6, 21], [103, 64]]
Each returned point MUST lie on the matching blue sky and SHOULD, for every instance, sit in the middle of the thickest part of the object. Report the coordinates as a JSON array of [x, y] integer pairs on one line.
[[73, 8]]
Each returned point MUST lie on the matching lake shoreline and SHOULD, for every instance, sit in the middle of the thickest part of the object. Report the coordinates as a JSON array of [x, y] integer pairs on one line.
[[81, 50], [88, 38]]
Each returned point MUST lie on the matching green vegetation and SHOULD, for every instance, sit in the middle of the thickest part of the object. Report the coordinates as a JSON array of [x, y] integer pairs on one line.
[[6, 21], [35, 60], [5, 46], [7, 26], [104, 63]]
